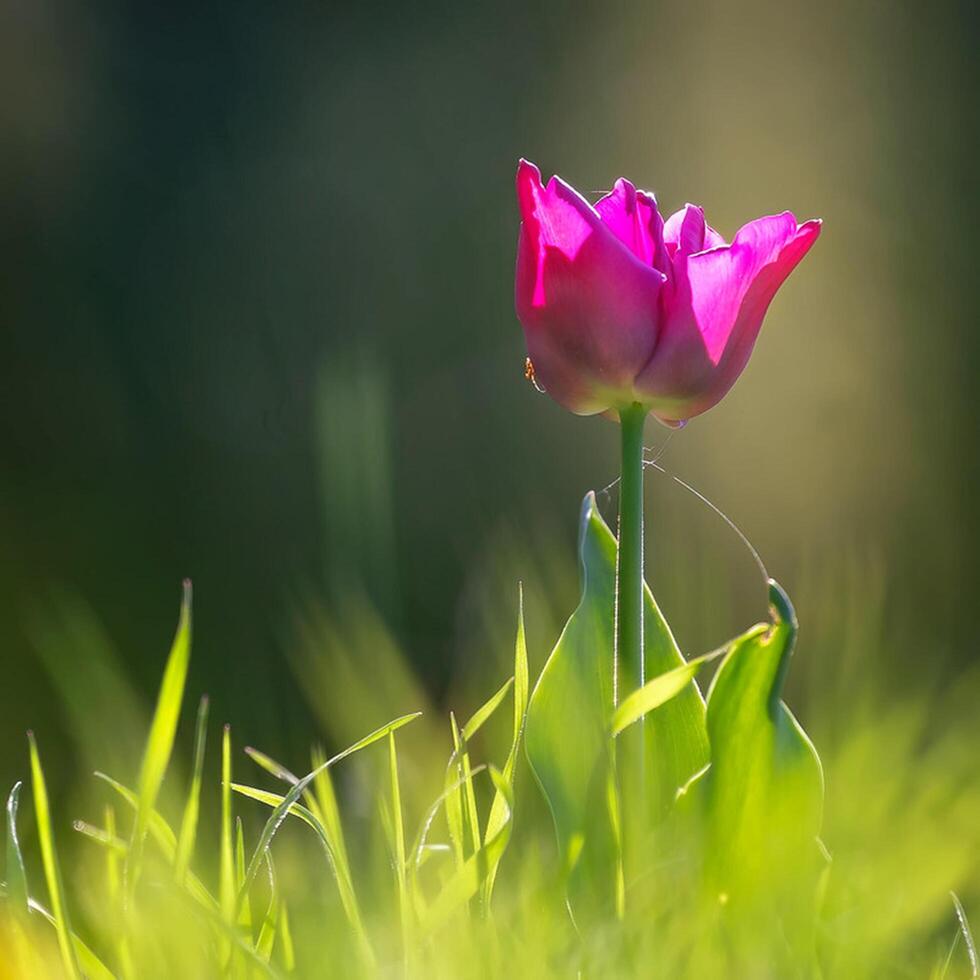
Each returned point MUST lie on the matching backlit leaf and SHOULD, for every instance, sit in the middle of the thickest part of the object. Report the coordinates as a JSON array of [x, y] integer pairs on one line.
[[567, 732], [761, 799], [52, 869], [160, 742], [16, 876], [188, 824]]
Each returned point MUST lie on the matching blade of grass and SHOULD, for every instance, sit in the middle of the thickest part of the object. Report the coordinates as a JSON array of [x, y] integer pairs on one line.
[[398, 828], [420, 846], [422, 836], [115, 852], [278, 771], [226, 858], [288, 955], [941, 972], [165, 838], [971, 948], [112, 870], [279, 814], [431, 850], [469, 796], [273, 800], [660, 690], [454, 798], [49, 859], [267, 931], [344, 885], [163, 729], [467, 879], [387, 827], [484, 712], [284, 807], [328, 810], [159, 829], [322, 804], [267, 934], [319, 798], [16, 875], [500, 811], [460, 803], [188, 824], [271, 766], [113, 844], [461, 812], [243, 952], [92, 966], [114, 862], [245, 913]]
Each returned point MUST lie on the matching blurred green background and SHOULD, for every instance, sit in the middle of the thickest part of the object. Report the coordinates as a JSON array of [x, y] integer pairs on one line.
[[256, 328]]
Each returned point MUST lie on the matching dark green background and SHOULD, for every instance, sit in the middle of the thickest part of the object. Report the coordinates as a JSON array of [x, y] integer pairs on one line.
[[256, 324]]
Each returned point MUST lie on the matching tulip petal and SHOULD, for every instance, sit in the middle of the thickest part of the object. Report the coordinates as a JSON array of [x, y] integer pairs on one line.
[[712, 239], [588, 305], [715, 311], [686, 231], [634, 218]]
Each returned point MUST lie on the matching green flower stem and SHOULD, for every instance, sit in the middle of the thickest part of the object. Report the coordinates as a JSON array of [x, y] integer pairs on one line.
[[630, 669]]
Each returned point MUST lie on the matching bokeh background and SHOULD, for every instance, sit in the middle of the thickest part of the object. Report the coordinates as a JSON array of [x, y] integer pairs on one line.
[[256, 328]]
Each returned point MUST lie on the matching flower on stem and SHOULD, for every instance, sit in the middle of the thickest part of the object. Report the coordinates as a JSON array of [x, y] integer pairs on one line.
[[619, 306]]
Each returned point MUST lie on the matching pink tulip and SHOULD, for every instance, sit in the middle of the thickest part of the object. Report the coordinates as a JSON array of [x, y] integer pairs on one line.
[[619, 306]]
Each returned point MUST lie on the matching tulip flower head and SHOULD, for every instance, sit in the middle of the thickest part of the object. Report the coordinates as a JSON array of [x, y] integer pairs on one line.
[[621, 307]]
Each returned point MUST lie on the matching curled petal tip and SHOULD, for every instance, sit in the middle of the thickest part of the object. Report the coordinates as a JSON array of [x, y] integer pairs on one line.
[[807, 233], [528, 182], [625, 185], [527, 171]]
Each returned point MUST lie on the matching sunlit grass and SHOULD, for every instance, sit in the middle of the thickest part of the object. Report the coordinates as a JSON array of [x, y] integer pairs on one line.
[[426, 848]]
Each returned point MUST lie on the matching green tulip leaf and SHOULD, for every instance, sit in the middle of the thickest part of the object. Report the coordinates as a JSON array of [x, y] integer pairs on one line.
[[568, 740], [761, 799]]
